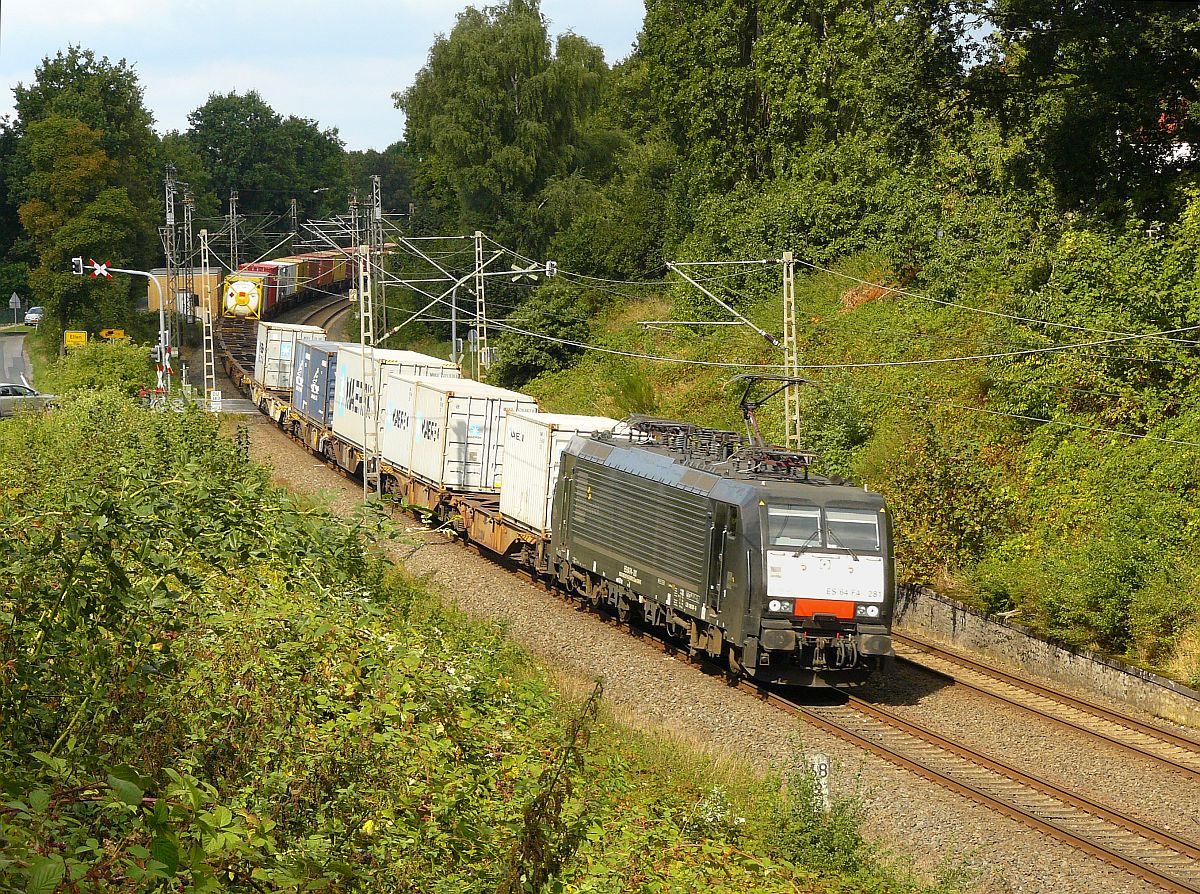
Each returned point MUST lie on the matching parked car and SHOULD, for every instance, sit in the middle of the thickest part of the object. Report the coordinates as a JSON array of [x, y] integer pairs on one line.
[[34, 315], [15, 396]]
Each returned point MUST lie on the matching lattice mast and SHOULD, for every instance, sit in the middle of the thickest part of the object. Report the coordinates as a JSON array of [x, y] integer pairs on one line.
[[206, 318], [167, 234], [481, 345], [366, 335], [234, 260], [791, 352]]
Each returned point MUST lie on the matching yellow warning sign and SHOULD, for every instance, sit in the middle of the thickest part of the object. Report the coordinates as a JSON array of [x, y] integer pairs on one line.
[[112, 333], [74, 338]]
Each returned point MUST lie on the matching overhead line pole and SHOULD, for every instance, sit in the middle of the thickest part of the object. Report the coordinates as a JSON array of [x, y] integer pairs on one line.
[[376, 242], [233, 230], [791, 354], [480, 309], [210, 360]]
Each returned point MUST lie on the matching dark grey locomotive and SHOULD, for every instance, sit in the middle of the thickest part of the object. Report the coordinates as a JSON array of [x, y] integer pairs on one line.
[[787, 575]]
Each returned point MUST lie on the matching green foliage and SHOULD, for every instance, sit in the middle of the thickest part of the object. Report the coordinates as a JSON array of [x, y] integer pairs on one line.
[[495, 114], [106, 98], [1100, 91], [558, 310], [394, 166], [833, 424], [947, 503], [553, 826], [808, 834], [631, 390], [121, 366], [81, 176], [246, 145]]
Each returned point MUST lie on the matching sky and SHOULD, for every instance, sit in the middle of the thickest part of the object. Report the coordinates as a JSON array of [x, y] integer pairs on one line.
[[336, 63]]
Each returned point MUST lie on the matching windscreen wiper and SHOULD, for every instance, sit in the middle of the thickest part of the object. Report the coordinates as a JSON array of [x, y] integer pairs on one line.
[[833, 536], [804, 546]]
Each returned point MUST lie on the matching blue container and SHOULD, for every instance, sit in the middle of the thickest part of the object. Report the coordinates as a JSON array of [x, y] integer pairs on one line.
[[313, 387]]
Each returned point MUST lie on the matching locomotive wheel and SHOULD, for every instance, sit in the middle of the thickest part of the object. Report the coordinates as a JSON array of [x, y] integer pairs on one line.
[[735, 670]]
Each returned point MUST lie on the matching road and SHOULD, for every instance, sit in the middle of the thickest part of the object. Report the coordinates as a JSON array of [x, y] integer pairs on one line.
[[14, 366]]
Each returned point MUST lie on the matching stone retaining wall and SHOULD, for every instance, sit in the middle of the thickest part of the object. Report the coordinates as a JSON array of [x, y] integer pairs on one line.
[[944, 621]]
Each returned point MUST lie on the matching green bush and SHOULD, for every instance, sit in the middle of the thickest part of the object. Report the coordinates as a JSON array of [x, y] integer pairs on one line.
[[119, 365]]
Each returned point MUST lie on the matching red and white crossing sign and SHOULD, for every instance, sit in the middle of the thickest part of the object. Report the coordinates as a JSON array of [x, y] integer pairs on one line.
[[99, 269]]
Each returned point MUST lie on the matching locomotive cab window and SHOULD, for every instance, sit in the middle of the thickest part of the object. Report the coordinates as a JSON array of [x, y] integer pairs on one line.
[[794, 526], [852, 529]]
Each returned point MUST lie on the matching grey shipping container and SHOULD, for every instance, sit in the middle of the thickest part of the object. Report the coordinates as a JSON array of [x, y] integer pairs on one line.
[[361, 377], [275, 353], [456, 428], [313, 388]]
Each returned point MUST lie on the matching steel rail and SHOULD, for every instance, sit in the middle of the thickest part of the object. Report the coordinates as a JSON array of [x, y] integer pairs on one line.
[[329, 312], [1050, 826], [1118, 822], [1099, 712]]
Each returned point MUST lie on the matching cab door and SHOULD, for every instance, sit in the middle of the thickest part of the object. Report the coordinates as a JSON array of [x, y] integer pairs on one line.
[[724, 555]]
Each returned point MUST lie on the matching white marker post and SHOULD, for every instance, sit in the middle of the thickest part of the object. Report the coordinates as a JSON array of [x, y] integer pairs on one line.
[[818, 771]]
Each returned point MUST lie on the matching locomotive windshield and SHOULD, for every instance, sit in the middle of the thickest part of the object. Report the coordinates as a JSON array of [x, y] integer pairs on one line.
[[797, 527], [852, 529]]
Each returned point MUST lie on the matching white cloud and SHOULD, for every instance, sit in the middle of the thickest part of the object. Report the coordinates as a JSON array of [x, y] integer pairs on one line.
[[31, 15]]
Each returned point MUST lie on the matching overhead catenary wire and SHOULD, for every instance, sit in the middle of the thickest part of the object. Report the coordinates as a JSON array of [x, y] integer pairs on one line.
[[1019, 416]]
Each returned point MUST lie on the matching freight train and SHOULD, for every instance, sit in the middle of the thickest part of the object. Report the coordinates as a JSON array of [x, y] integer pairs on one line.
[[739, 551], [259, 290]]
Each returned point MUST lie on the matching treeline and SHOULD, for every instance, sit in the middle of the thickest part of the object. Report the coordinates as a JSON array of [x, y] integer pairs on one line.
[[82, 173]]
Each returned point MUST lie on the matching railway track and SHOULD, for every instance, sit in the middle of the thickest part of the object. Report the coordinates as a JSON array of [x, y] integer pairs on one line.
[[1175, 751], [327, 313], [1147, 852]]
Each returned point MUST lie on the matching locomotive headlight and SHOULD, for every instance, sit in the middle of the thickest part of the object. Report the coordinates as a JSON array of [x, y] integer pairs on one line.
[[866, 611], [780, 606]]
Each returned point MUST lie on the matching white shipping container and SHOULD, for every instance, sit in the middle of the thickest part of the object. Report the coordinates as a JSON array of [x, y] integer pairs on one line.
[[533, 447], [276, 350], [457, 433], [360, 384], [396, 428]]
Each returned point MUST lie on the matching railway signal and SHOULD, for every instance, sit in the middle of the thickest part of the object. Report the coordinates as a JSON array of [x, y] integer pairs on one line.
[[520, 273]]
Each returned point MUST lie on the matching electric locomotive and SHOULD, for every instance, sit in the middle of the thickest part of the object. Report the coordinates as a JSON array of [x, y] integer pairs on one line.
[[741, 549]]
